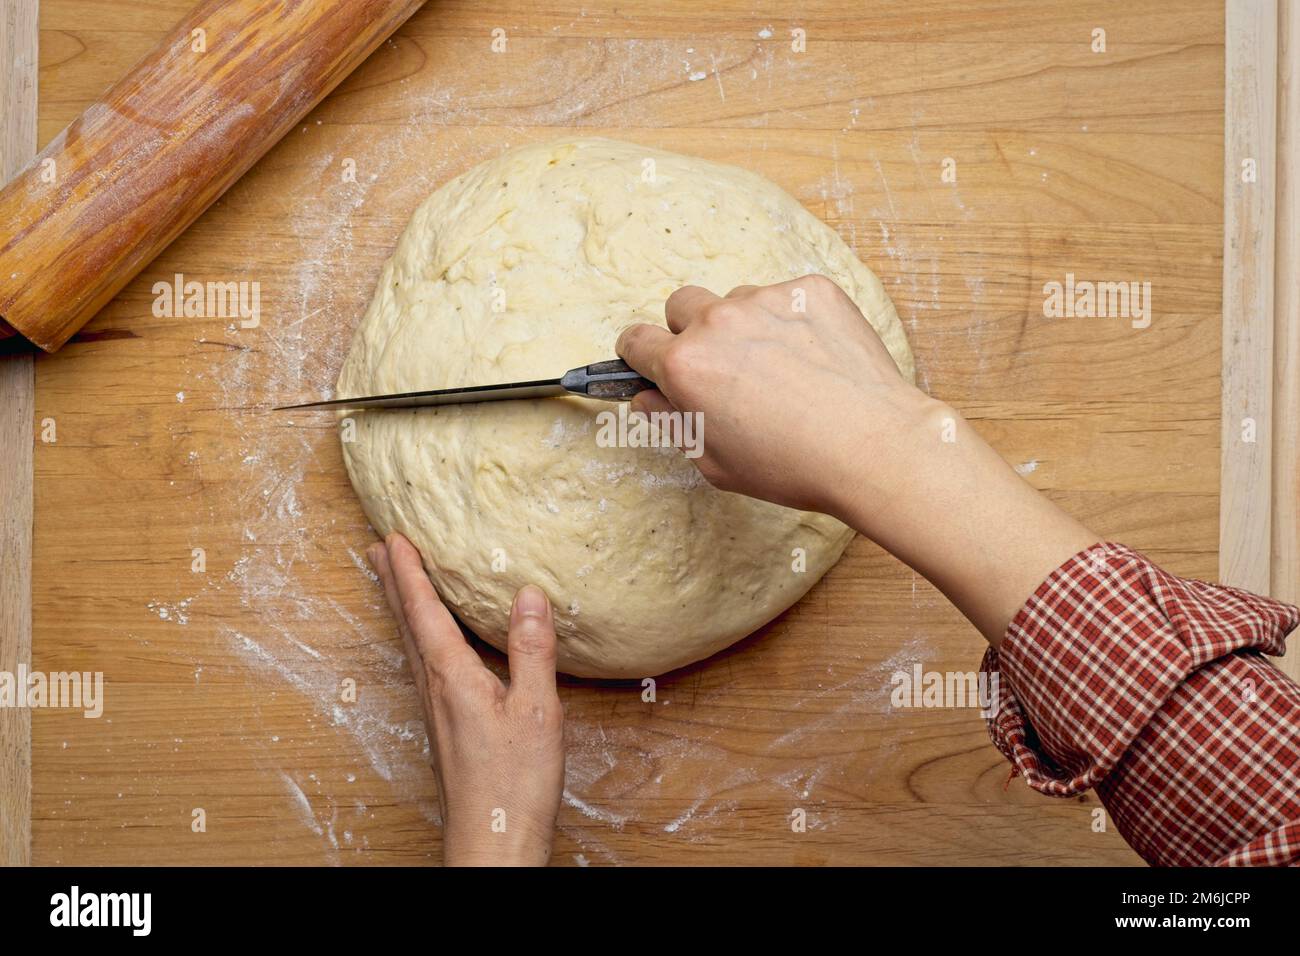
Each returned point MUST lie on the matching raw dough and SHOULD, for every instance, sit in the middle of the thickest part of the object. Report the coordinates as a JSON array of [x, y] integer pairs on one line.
[[648, 567]]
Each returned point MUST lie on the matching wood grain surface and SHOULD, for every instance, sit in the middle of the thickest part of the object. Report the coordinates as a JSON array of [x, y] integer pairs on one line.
[[1285, 550], [18, 63], [224, 687], [170, 136], [1250, 136], [1259, 510]]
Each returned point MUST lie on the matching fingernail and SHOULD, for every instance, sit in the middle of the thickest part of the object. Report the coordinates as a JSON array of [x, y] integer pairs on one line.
[[531, 601]]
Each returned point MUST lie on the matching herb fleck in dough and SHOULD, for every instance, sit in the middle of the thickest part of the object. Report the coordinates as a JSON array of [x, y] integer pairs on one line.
[[531, 264]]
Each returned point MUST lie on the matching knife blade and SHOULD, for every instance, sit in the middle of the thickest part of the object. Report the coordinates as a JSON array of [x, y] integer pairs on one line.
[[611, 381]]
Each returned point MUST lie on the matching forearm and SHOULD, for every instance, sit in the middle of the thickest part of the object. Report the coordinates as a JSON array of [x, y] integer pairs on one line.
[[935, 495], [1113, 674], [1153, 689]]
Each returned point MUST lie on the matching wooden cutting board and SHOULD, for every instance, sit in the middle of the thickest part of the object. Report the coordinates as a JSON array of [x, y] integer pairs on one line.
[[225, 686]]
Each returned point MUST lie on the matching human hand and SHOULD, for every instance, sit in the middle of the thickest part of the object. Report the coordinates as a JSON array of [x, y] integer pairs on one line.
[[497, 751], [796, 405], [807, 409]]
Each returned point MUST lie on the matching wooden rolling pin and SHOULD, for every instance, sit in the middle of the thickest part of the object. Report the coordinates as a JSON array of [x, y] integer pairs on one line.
[[119, 184]]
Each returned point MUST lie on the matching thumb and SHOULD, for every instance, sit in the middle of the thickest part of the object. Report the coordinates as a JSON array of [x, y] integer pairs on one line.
[[530, 644]]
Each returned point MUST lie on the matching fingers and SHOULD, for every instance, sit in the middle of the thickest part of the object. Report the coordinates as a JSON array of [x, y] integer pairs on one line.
[[643, 347], [650, 401], [430, 633], [685, 305], [437, 637], [378, 555], [530, 645]]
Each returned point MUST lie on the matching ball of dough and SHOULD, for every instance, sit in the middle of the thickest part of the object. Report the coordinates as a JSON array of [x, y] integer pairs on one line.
[[526, 266]]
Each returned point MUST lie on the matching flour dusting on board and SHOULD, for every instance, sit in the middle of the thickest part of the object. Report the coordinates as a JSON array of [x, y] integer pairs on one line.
[[675, 778], [284, 628]]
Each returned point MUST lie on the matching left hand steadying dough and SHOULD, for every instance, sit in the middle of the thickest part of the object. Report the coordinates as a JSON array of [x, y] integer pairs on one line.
[[819, 417], [497, 751]]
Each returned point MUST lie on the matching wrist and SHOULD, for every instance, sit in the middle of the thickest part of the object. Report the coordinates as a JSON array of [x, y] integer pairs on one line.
[[495, 848], [893, 437], [934, 494]]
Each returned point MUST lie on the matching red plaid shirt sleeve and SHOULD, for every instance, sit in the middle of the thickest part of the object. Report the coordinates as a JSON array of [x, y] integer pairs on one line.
[[1154, 690]]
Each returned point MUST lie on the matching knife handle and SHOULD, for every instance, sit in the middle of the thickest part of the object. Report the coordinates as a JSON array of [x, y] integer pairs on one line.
[[612, 381]]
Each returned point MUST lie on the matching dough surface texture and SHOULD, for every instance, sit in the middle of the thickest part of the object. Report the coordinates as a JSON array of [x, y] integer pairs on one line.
[[526, 266]]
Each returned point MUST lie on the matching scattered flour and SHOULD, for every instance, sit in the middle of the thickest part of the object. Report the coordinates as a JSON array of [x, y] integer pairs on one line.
[[302, 803], [286, 631]]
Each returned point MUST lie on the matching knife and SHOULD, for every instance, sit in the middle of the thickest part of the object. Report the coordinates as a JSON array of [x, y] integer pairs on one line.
[[611, 381]]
